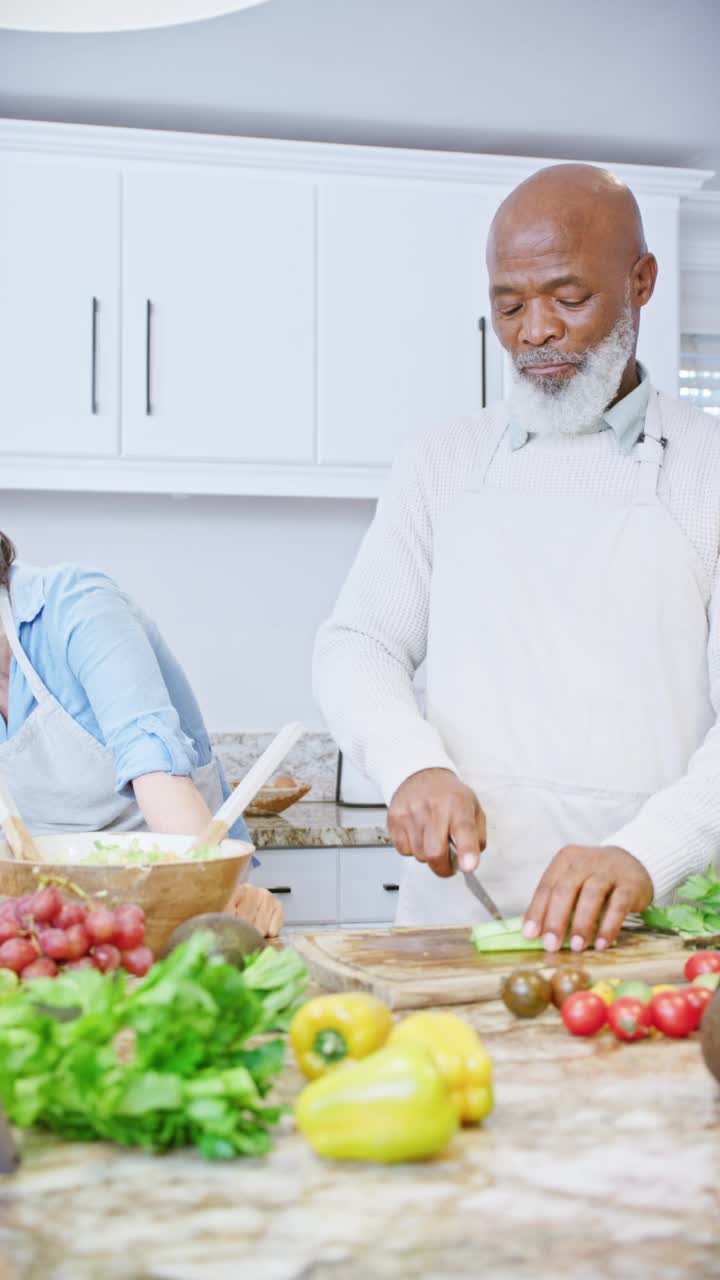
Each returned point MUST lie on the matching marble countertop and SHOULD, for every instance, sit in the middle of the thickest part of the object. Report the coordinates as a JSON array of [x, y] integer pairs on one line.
[[600, 1162], [313, 825]]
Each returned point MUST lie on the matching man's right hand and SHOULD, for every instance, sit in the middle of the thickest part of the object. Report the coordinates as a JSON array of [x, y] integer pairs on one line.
[[426, 809]]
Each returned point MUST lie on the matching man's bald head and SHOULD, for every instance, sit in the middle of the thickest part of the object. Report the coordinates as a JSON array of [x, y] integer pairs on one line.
[[568, 267], [570, 201]]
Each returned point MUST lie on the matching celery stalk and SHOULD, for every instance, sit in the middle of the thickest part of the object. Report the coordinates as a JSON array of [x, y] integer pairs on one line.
[[505, 935]]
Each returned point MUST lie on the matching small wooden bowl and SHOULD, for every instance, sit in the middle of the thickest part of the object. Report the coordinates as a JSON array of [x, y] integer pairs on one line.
[[168, 892], [275, 799]]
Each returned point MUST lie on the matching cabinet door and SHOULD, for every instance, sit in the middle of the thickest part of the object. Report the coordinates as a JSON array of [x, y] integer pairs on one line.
[[369, 884], [305, 881], [218, 317], [59, 254], [402, 292]]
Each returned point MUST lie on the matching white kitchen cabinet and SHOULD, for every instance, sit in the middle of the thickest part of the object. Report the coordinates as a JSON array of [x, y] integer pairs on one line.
[[332, 886], [404, 338], [369, 885], [194, 314], [304, 880], [218, 317], [59, 299]]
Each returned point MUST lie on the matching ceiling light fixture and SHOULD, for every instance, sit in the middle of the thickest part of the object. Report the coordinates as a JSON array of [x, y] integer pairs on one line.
[[111, 15]]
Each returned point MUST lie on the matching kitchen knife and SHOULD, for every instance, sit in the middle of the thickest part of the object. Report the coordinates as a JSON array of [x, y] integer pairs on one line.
[[473, 884]]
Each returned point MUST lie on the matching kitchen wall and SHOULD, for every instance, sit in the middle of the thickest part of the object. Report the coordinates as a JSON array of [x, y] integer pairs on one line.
[[239, 585]]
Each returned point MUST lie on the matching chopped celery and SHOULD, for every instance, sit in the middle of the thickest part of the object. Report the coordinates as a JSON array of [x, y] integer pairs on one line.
[[505, 935]]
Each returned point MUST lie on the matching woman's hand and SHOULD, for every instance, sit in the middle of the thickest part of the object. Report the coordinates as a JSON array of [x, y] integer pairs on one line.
[[257, 905]]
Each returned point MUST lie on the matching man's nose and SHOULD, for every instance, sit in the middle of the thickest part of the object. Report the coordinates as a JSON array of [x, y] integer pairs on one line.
[[540, 324]]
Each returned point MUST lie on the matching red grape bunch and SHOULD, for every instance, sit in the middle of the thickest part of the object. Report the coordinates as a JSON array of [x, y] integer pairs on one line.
[[47, 931]]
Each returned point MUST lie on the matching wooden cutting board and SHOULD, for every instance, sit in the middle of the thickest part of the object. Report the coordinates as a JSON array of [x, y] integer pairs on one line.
[[413, 968]]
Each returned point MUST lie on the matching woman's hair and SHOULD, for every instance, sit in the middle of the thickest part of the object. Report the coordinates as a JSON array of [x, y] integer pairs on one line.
[[7, 555]]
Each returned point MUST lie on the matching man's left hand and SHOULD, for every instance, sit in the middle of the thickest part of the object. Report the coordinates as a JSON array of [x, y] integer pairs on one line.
[[589, 888]]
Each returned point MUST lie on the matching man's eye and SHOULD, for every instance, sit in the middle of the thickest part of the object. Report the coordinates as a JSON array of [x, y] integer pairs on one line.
[[573, 302], [510, 311]]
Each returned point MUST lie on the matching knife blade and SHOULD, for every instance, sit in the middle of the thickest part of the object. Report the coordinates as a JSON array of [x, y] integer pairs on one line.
[[473, 884]]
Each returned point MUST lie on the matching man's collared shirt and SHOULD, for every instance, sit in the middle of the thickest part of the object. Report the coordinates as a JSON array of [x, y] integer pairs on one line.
[[626, 418]]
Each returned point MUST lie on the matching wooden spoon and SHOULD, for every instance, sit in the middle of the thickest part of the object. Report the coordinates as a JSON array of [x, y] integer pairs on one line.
[[245, 791], [20, 842]]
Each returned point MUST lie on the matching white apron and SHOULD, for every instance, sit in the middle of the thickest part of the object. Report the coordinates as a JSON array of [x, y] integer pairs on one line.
[[566, 669], [61, 777]]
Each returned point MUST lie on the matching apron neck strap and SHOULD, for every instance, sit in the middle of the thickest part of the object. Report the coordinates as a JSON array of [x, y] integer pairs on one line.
[[489, 439], [39, 691], [649, 452]]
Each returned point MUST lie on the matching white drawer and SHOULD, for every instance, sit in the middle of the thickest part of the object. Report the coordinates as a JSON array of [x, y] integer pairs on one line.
[[369, 882], [305, 881]]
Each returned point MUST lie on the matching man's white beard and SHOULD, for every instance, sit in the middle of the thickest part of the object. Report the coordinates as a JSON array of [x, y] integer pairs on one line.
[[572, 406]]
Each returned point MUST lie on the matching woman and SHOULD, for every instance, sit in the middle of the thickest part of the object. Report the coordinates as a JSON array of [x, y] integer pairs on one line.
[[99, 728]]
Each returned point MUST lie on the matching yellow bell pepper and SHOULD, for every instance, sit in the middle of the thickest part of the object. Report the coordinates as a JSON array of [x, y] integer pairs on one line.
[[328, 1029], [390, 1107], [460, 1055]]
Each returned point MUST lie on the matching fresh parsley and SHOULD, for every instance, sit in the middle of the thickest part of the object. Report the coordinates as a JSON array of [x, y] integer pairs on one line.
[[696, 910], [180, 1058]]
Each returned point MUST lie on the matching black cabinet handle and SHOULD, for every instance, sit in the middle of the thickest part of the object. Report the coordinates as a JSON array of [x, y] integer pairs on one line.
[[93, 362], [148, 357], [281, 888], [391, 888], [482, 326]]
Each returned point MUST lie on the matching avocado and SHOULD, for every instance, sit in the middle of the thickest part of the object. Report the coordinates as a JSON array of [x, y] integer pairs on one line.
[[711, 1036], [234, 939]]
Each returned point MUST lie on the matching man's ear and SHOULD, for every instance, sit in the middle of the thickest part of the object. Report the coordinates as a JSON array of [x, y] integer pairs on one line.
[[642, 280]]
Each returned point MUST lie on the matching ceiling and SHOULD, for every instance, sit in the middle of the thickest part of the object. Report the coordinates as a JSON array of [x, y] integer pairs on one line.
[[624, 80]]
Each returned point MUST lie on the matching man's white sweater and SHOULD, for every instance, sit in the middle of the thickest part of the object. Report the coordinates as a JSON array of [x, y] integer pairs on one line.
[[367, 652]]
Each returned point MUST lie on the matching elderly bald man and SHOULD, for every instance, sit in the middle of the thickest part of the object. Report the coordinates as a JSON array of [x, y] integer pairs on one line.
[[556, 560]]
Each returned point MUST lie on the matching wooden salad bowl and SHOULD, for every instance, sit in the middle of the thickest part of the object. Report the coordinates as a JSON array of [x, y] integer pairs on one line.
[[168, 892]]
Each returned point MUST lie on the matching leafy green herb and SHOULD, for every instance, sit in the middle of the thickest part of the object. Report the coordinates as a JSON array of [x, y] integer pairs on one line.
[[163, 1064], [696, 910]]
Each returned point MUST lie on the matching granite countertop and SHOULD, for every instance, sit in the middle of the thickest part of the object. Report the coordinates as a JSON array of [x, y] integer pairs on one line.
[[313, 825], [601, 1161]]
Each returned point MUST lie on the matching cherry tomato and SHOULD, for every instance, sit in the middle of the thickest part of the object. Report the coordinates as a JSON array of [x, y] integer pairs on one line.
[[584, 1013], [673, 1014], [605, 989], [635, 989], [702, 962], [698, 998], [709, 980], [630, 1019], [565, 981], [526, 993]]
